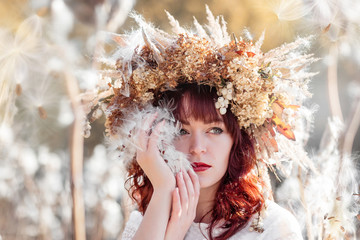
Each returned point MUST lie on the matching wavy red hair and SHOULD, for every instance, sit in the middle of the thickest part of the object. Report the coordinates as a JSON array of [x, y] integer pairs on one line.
[[239, 195]]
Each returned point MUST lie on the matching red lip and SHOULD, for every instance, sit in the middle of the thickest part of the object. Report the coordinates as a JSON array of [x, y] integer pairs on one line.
[[200, 166]]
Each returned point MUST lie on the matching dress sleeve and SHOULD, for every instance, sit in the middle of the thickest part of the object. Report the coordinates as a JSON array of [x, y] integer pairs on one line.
[[132, 225]]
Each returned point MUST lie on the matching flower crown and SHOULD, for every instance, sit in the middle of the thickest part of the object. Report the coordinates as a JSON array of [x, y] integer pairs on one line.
[[265, 91]]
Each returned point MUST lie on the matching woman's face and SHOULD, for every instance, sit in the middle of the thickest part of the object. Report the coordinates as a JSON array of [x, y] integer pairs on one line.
[[208, 147]]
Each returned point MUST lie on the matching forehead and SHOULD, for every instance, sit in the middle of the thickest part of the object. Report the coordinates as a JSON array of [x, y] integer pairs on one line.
[[193, 122], [198, 107]]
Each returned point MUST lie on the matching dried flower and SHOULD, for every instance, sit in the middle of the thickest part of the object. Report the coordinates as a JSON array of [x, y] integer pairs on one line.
[[247, 80]]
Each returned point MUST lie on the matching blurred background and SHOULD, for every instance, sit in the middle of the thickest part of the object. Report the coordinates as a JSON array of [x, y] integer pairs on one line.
[[47, 52]]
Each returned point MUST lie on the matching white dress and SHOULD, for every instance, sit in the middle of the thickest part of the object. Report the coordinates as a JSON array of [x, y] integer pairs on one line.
[[278, 224]]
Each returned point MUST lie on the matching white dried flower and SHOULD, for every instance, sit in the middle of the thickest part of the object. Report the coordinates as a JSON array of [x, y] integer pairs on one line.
[[229, 96], [217, 105], [222, 111]]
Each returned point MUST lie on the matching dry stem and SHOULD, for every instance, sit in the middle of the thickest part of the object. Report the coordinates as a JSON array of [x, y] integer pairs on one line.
[[303, 200], [77, 142], [352, 127], [333, 90]]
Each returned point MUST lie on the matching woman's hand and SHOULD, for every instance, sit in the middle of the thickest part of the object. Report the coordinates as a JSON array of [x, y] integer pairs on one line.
[[149, 158], [184, 202]]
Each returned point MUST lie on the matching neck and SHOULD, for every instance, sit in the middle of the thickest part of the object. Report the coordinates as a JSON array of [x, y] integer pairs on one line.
[[205, 204]]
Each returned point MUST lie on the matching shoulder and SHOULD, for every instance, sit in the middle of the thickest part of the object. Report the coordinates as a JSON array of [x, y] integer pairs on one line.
[[132, 225], [279, 223]]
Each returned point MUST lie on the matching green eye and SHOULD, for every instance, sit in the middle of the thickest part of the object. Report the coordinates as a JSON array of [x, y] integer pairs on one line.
[[182, 132], [216, 130]]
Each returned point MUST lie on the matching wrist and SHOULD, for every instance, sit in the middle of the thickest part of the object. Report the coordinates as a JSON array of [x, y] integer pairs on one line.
[[164, 189], [165, 186], [174, 236]]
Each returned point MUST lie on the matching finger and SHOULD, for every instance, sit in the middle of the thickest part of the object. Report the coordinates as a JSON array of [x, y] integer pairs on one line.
[[189, 187], [182, 190], [176, 205], [143, 132], [154, 136], [195, 181], [194, 192]]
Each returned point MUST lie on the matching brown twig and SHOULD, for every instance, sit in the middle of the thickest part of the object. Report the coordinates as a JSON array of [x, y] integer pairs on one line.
[[77, 145]]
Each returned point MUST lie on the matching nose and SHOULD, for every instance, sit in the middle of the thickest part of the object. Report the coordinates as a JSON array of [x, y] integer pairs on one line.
[[197, 144]]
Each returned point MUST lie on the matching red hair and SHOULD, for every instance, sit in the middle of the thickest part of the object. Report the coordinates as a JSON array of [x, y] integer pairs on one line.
[[239, 195]]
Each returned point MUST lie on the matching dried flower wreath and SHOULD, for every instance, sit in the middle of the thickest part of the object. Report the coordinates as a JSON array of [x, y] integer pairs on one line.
[[265, 91]]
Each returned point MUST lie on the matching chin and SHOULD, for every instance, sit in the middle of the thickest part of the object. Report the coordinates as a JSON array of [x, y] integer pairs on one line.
[[205, 184]]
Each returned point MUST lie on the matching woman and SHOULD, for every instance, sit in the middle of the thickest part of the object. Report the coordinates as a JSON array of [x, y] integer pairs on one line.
[[238, 109], [220, 194]]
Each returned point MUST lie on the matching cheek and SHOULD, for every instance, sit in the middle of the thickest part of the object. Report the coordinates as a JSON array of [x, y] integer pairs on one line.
[[180, 145], [228, 143]]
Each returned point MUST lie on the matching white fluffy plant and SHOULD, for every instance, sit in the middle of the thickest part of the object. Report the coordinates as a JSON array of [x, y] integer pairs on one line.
[[125, 143], [325, 202]]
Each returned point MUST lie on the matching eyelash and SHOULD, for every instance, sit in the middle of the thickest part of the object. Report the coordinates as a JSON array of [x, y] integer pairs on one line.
[[182, 132], [214, 130]]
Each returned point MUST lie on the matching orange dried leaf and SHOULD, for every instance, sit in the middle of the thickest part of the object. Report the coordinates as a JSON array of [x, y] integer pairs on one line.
[[283, 128], [295, 107], [230, 55], [274, 144], [277, 109], [282, 105], [286, 132], [250, 54], [270, 128], [240, 52]]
